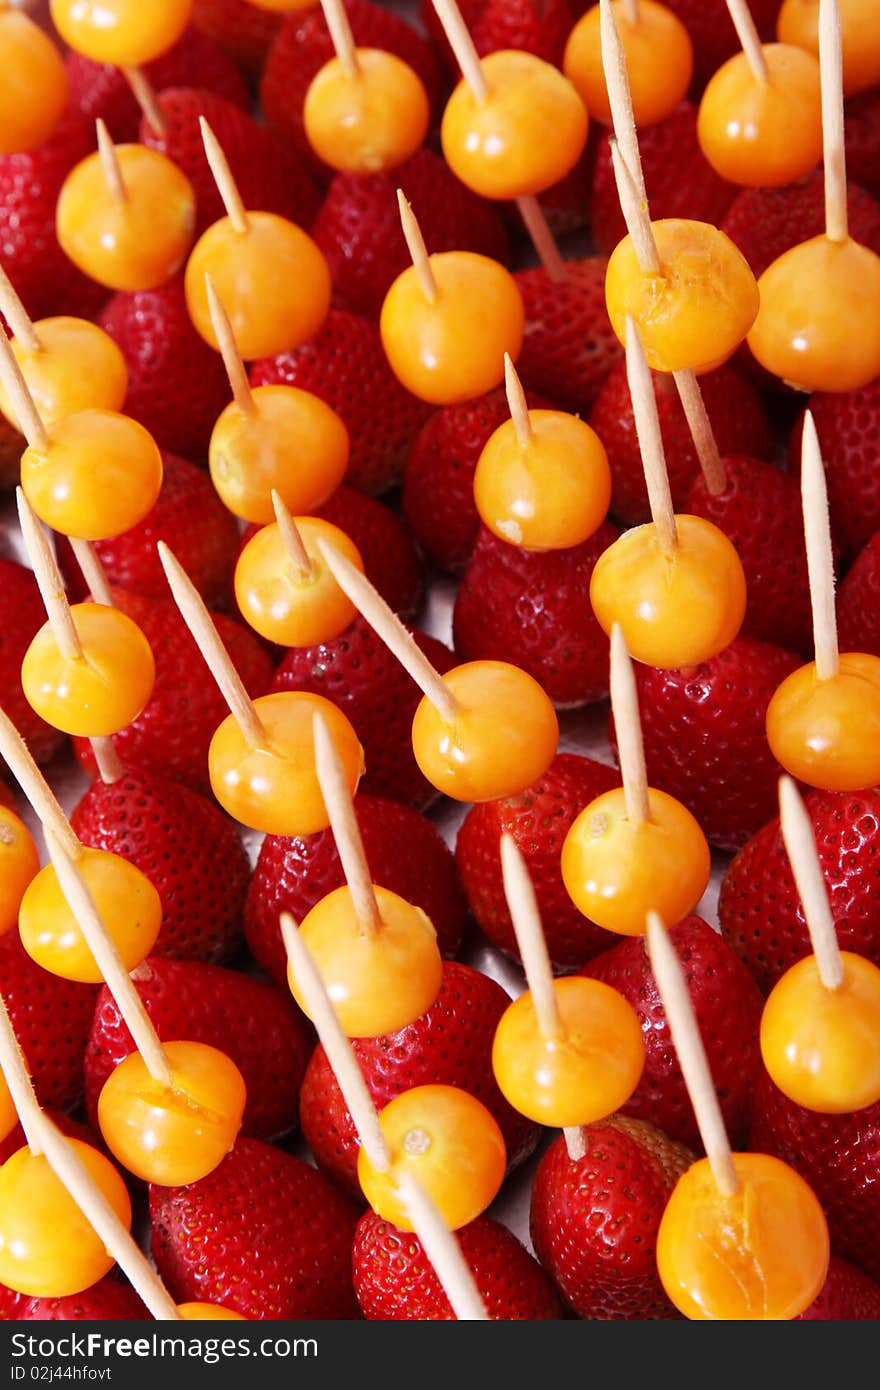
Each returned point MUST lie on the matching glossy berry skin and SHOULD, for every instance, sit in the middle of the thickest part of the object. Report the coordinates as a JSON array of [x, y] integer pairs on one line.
[[658, 55], [846, 424], [404, 852], [569, 345], [824, 732], [21, 616], [51, 1018], [528, 607], [728, 1007], [704, 729], [288, 603], [597, 1244], [848, 1295], [742, 119], [124, 32], [858, 601], [798, 23], [538, 819], [394, 1280], [303, 1226], [765, 222], [36, 91], [759, 909], [19, 863], [75, 367], [370, 120]]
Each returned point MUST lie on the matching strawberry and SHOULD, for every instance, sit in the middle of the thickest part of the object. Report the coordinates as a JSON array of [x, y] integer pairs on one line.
[[858, 602], [538, 819], [705, 738], [529, 607], [12, 446], [569, 346], [760, 512], [848, 425], [359, 674], [241, 29], [712, 33], [345, 365], [259, 1028], [538, 26], [450, 1045], [177, 385], [51, 1018], [738, 417], [394, 1281], [359, 231], [862, 139], [189, 850], [46, 281], [847, 1295], [405, 854], [837, 1155], [728, 1007], [98, 89], [264, 1235], [391, 561], [21, 615], [110, 1300], [303, 45], [171, 736], [438, 478], [759, 909], [679, 179], [594, 1222], [268, 174], [189, 516], [765, 222]]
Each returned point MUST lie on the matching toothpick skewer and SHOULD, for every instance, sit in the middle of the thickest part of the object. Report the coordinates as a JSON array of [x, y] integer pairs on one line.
[[833, 149], [340, 32], [820, 558], [628, 727], [415, 244], [26, 414], [145, 95], [290, 535], [346, 832], [232, 359], [110, 163], [222, 175], [17, 316], [800, 846], [516, 400], [749, 38], [647, 421]]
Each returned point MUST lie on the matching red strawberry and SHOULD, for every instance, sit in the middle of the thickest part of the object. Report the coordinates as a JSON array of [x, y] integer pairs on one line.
[[394, 1281], [21, 615], [759, 909], [847, 1295], [391, 561], [405, 854], [450, 1045], [259, 1028], [760, 512], [712, 33], [848, 425], [531, 608], [110, 1300], [98, 89], [765, 222], [268, 174], [438, 479], [345, 365], [538, 26], [858, 602], [242, 30], [837, 1155], [594, 1222], [679, 179], [738, 418], [862, 138], [538, 819], [177, 385], [171, 736], [303, 45], [51, 1018], [189, 850], [728, 1006], [359, 674], [570, 346], [705, 737], [12, 446], [46, 281], [359, 231], [191, 519], [264, 1235]]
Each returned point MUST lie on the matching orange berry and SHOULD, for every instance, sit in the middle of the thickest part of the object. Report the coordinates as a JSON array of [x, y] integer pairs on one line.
[[211, 1312], [761, 1254], [822, 1046], [697, 310], [798, 23], [99, 475], [674, 610], [659, 61], [293, 442], [827, 732], [131, 243], [450, 1143], [503, 738], [379, 980], [125, 898], [524, 136], [590, 1070], [616, 871], [818, 327], [125, 33], [76, 367], [282, 603], [548, 494], [271, 279], [19, 864], [366, 121], [763, 133], [452, 348], [33, 93], [178, 1134], [48, 1249], [275, 788]]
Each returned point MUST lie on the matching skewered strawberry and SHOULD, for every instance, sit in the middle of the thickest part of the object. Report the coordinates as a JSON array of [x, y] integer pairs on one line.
[[569, 346], [51, 1017]]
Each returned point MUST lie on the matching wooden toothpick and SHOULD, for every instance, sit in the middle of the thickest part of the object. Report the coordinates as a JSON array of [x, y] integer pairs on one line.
[[635, 214], [26, 414], [217, 659], [516, 401], [749, 38], [291, 538], [346, 832], [442, 1249], [340, 32], [647, 422], [49, 582], [222, 176], [800, 846], [17, 316], [110, 163], [542, 238], [620, 99], [694, 1064], [92, 571], [833, 150], [36, 790], [628, 727], [415, 244], [232, 359], [18, 1081], [702, 433], [145, 95], [820, 558]]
